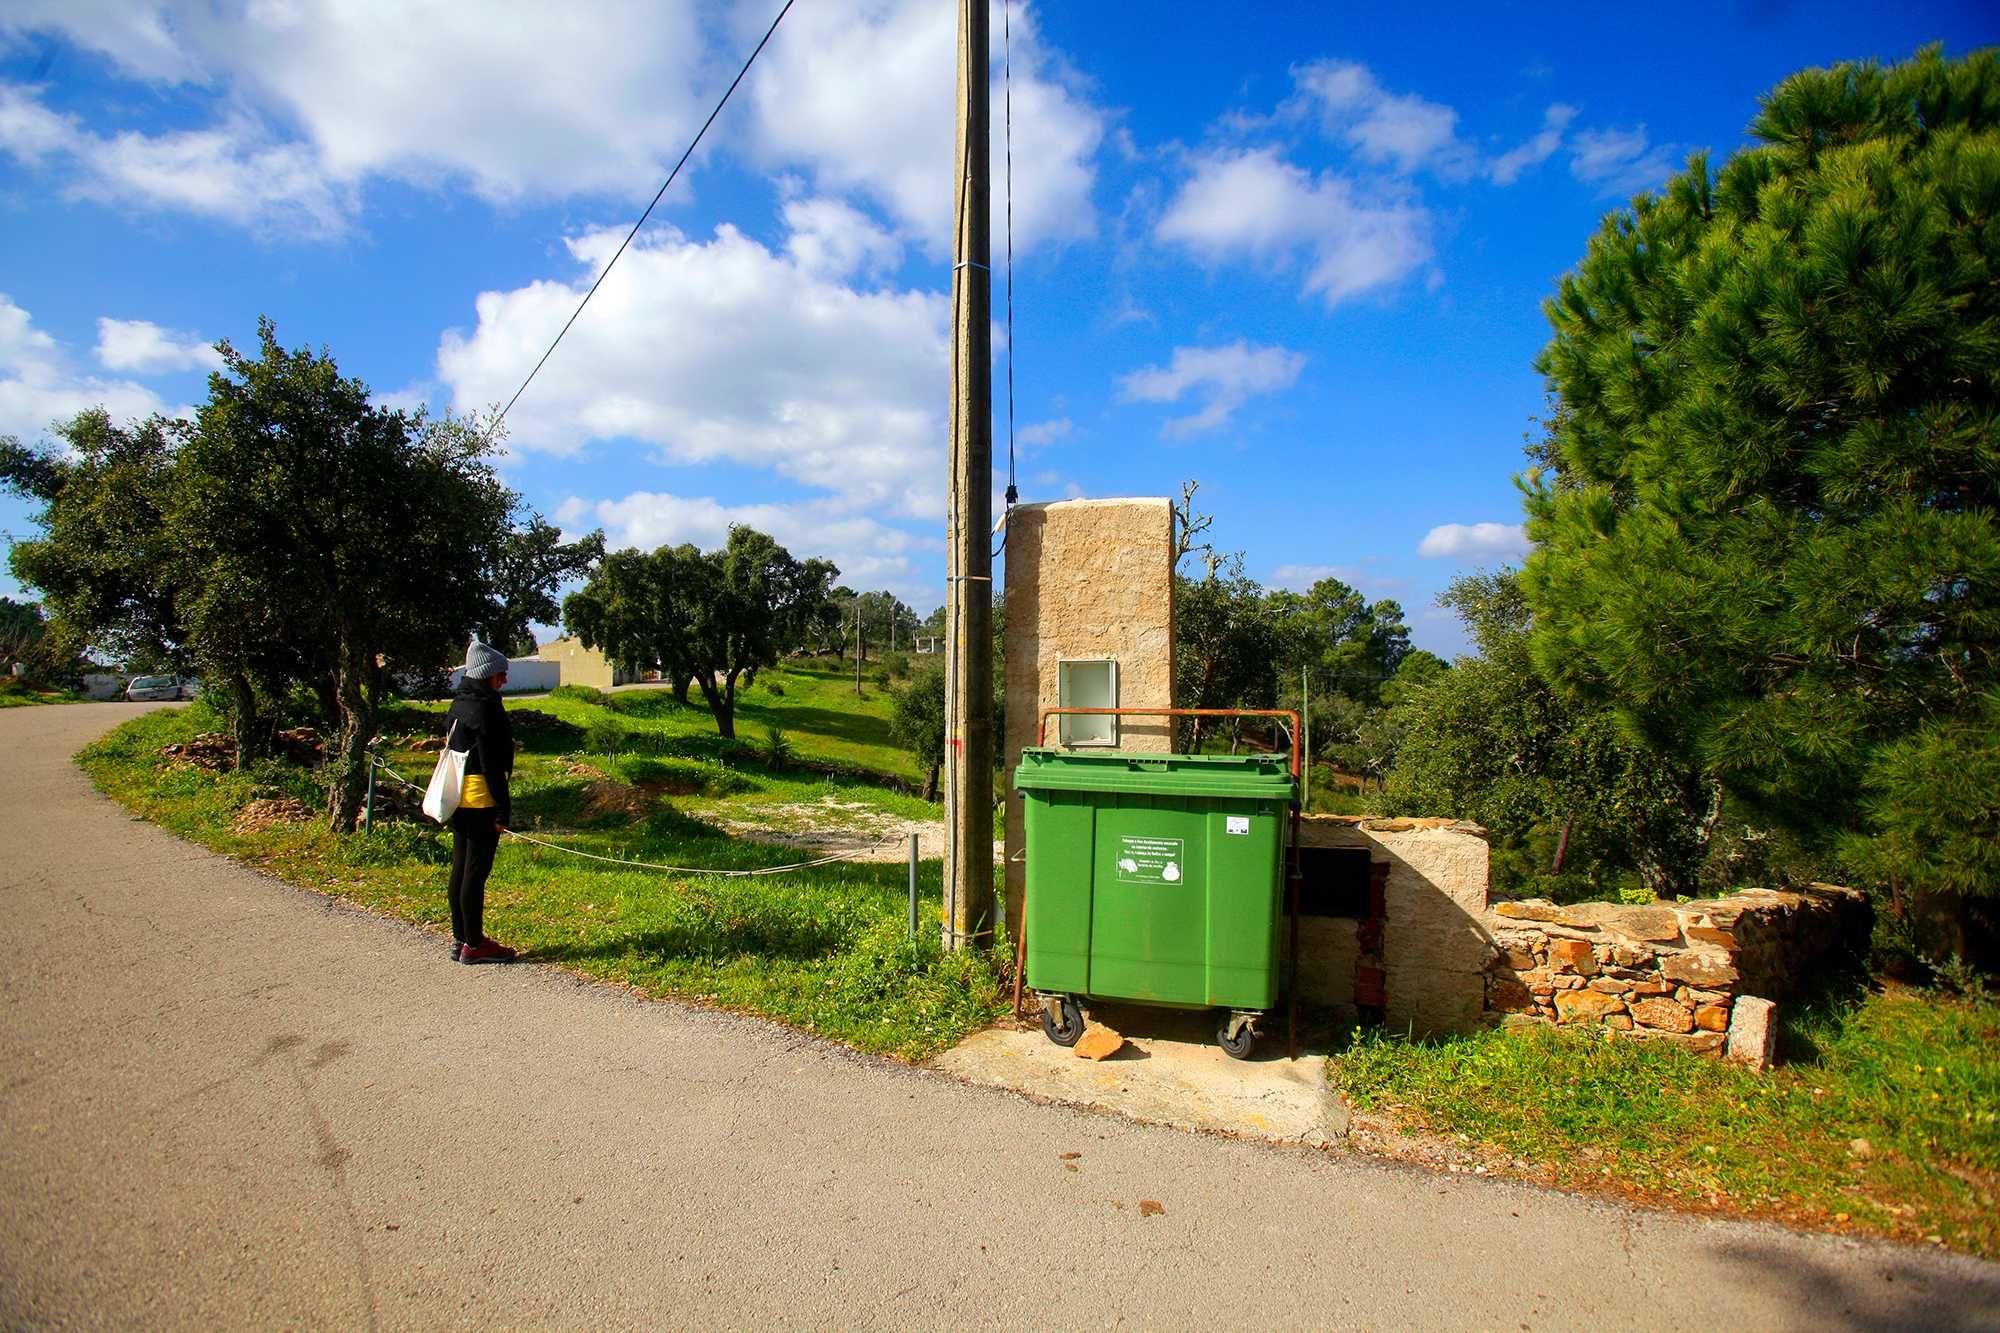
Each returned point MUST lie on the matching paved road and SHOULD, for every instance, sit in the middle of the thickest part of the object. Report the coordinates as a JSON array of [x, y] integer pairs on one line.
[[224, 1102]]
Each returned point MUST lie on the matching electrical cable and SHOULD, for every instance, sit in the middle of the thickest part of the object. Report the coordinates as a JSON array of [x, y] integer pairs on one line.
[[696, 143], [1007, 101]]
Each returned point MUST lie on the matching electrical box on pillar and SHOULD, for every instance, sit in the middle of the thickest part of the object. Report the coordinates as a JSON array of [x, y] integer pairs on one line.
[[968, 759]]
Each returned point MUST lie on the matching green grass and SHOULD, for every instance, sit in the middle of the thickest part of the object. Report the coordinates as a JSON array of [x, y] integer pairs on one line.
[[1915, 1075], [16, 693], [824, 950]]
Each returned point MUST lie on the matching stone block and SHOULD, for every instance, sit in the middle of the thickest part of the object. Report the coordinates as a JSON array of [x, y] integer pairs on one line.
[[1665, 1015], [1098, 1042], [1712, 1018], [1519, 959], [1609, 985], [1508, 996], [1753, 1032], [1698, 968], [1582, 1006], [1651, 924], [1086, 579], [1618, 1022], [1572, 956], [1710, 935]]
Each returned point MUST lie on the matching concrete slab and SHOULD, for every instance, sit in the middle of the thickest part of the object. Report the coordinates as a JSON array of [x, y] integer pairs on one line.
[[1170, 1072]]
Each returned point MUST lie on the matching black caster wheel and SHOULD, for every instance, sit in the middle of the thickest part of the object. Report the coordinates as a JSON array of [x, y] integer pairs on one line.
[[1065, 1030], [1239, 1046]]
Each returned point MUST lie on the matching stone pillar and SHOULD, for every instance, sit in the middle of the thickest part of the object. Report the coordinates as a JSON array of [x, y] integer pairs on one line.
[[1086, 579]]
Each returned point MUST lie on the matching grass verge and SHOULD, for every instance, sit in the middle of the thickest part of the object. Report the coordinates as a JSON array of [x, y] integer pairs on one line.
[[1881, 1119], [15, 693], [825, 950]]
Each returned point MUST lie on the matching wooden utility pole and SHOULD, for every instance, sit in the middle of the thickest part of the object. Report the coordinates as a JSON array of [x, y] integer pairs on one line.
[[857, 647], [968, 759]]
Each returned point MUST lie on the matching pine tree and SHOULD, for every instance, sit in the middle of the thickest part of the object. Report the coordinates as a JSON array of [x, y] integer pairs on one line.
[[1769, 535]]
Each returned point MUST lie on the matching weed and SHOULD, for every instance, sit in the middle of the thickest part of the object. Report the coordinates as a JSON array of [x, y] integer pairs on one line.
[[605, 736], [777, 753], [1882, 1118]]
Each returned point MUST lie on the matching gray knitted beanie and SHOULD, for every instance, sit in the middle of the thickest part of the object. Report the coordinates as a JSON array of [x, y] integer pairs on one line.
[[482, 661]]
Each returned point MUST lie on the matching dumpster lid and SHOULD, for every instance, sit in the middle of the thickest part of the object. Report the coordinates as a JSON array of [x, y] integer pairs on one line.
[[1249, 776]]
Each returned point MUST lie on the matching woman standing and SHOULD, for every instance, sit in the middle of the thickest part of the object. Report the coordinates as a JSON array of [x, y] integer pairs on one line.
[[477, 726]]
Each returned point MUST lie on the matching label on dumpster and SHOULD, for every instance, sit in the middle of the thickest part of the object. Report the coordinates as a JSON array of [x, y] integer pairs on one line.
[[1236, 823], [1151, 860]]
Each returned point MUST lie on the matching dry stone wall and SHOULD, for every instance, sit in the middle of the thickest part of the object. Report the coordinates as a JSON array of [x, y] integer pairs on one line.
[[1701, 975]]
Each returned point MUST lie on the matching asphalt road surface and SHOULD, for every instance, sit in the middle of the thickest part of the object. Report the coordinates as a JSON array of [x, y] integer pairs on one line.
[[227, 1103]]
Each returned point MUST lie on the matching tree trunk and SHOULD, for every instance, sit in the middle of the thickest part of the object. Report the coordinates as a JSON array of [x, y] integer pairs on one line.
[[252, 740], [681, 684], [347, 752], [723, 706], [931, 783], [1562, 844]]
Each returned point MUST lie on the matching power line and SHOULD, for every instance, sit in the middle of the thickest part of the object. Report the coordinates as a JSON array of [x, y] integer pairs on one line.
[[1007, 93], [696, 143]]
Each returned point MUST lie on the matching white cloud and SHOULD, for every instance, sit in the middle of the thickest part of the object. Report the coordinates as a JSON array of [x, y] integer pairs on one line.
[[722, 350], [1401, 130], [861, 95], [1621, 161], [232, 172], [870, 554], [1043, 433], [144, 348], [1474, 541], [39, 385], [1507, 168], [1226, 376], [834, 240], [513, 97], [1251, 202]]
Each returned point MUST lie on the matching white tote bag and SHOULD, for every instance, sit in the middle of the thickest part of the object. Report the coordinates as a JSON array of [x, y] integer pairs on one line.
[[447, 781]]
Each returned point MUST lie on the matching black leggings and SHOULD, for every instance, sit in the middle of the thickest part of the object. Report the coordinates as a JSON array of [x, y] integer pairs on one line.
[[474, 835]]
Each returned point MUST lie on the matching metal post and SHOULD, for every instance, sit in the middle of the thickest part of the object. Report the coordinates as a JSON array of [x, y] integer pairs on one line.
[[968, 851], [913, 886], [368, 812]]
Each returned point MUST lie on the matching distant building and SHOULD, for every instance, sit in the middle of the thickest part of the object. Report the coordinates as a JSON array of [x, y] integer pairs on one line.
[[581, 665]]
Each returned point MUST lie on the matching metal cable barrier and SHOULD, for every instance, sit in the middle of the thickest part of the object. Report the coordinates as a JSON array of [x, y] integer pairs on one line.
[[851, 854]]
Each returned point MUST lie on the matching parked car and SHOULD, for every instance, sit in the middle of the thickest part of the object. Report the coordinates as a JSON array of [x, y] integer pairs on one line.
[[145, 688]]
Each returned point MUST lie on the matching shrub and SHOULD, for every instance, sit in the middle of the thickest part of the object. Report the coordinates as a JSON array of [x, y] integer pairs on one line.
[[605, 736], [583, 694], [777, 747]]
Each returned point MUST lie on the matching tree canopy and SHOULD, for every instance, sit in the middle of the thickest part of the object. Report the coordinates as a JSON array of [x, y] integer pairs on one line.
[[709, 617], [1769, 537], [294, 534]]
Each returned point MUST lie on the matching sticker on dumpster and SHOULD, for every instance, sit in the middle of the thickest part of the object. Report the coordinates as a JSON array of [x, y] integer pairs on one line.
[[1237, 823], [1151, 860]]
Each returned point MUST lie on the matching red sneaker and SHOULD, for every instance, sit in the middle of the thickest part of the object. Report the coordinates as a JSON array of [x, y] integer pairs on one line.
[[488, 942], [485, 953]]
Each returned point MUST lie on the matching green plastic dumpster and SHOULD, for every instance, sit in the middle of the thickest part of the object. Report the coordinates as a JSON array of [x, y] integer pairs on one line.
[[1155, 878]]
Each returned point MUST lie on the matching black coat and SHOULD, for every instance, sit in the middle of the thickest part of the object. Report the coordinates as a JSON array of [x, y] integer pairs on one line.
[[478, 726]]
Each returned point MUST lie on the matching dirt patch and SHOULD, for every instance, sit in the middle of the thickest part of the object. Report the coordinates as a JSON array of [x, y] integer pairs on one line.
[[832, 825], [261, 814], [610, 797]]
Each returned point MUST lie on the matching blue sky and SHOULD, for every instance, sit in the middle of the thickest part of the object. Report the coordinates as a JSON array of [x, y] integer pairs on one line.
[[1294, 251]]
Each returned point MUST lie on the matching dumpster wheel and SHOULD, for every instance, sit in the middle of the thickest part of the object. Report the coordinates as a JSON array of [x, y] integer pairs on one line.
[[1235, 1036], [1062, 1019]]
